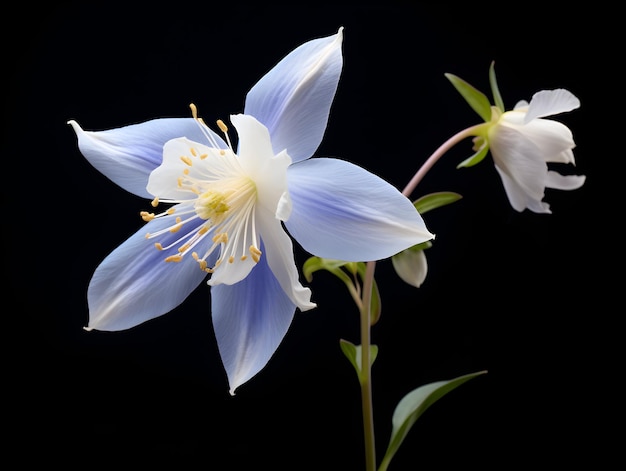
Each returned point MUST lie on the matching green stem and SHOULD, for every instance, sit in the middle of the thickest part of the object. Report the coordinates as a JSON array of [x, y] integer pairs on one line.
[[366, 370], [366, 306]]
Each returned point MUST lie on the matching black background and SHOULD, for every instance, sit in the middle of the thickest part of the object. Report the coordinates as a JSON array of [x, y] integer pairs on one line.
[[521, 295]]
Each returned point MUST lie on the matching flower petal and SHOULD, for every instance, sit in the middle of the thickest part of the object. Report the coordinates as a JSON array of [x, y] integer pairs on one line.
[[519, 198], [564, 182], [519, 158], [164, 180], [268, 171], [553, 139], [280, 258], [551, 102], [134, 283], [250, 319], [128, 154], [293, 99], [344, 212]]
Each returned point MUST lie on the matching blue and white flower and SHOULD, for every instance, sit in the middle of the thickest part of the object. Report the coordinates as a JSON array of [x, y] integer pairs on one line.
[[228, 207]]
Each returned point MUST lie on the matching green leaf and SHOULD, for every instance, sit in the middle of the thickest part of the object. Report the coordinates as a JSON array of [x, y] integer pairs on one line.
[[339, 268], [434, 200], [353, 352], [412, 406], [494, 87], [476, 99], [314, 264]]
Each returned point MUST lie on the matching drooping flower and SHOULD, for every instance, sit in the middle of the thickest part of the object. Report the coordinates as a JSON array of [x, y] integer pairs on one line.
[[230, 206], [523, 143]]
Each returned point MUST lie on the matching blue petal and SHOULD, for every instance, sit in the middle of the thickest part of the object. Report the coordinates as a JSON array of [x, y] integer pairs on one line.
[[128, 154], [293, 99], [344, 212], [250, 319], [134, 283]]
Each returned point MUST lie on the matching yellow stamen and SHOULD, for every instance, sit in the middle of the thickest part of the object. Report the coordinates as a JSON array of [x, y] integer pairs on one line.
[[255, 253], [146, 216], [178, 225], [194, 110], [155, 202], [186, 159], [220, 238], [222, 126], [193, 151], [231, 259], [174, 258], [158, 245]]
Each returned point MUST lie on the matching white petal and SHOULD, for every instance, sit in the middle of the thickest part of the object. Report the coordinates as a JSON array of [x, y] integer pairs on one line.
[[231, 273], [294, 98], [268, 171], [552, 139], [551, 102], [280, 258], [564, 182], [519, 158], [163, 181], [518, 198]]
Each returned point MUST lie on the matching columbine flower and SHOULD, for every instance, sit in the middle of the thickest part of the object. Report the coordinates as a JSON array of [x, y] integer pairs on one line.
[[229, 206], [522, 143]]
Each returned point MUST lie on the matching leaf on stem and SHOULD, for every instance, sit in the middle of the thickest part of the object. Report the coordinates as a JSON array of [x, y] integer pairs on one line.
[[353, 353], [346, 272], [434, 200], [413, 405]]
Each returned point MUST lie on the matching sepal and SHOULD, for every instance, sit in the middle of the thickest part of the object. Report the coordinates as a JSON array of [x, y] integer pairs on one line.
[[497, 98], [475, 98], [477, 157]]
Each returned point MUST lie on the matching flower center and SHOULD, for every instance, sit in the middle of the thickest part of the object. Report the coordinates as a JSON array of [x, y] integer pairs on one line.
[[220, 205], [211, 205]]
